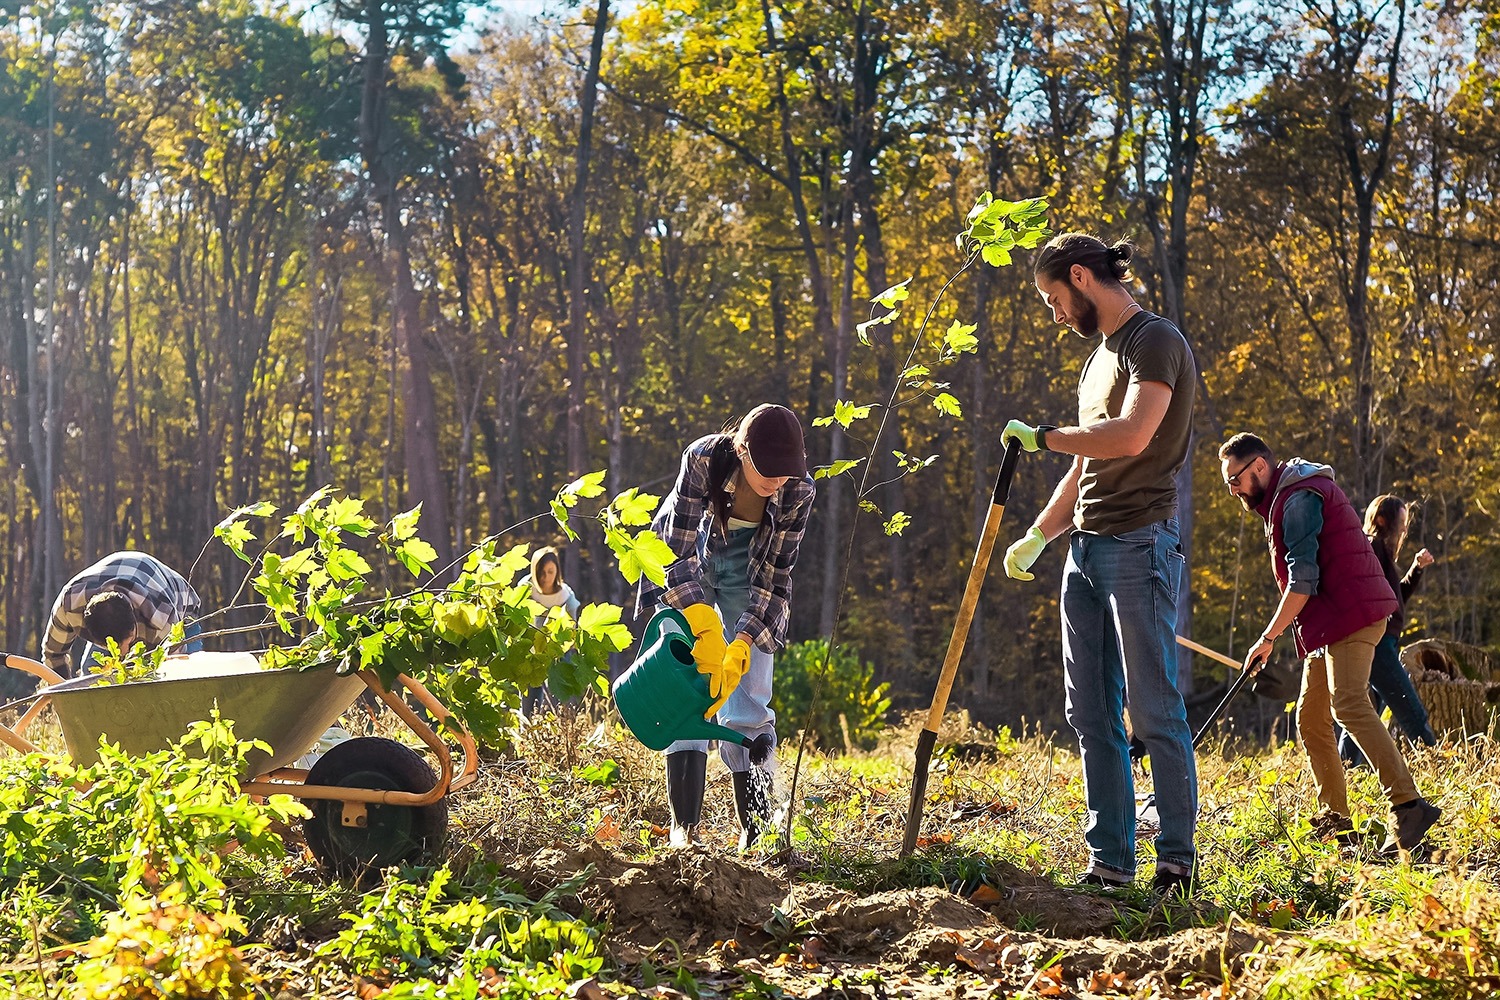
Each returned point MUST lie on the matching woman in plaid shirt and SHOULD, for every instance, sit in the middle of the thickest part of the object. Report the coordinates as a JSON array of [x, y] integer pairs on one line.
[[735, 518]]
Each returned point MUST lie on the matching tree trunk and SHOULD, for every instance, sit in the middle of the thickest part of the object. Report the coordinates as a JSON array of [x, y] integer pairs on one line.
[[579, 268], [424, 482]]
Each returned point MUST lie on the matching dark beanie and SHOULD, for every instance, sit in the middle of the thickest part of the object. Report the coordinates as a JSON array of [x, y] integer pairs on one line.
[[774, 437]]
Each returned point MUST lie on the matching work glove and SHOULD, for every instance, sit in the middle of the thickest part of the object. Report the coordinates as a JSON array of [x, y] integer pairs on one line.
[[1022, 553], [722, 685], [708, 648], [1024, 433]]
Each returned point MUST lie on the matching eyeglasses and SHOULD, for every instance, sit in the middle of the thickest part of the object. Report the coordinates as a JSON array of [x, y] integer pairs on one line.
[[1234, 480]]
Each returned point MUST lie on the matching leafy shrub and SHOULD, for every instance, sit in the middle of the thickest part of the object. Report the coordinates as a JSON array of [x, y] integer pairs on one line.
[[444, 932], [131, 826], [848, 689], [472, 641], [155, 949]]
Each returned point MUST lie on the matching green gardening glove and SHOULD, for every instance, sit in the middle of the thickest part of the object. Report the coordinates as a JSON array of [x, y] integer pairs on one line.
[[1021, 554], [1024, 433]]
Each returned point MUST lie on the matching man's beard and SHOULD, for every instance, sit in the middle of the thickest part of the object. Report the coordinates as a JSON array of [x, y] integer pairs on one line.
[[1084, 313], [1253, 499]]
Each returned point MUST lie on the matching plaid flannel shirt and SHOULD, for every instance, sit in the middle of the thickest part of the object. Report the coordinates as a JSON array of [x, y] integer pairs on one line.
[[686, 523], [159, 594]]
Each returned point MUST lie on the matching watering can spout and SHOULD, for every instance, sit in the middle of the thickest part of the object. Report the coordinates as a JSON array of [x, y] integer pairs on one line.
[[662, 697]]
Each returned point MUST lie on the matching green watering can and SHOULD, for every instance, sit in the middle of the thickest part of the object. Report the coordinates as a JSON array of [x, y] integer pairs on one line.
[[662, 697]]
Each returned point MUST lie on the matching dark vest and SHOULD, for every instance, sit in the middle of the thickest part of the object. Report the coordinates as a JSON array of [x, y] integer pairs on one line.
[[1352, 589]]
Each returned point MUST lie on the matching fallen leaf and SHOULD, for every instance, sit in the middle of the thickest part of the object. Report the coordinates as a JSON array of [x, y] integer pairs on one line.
[[975, 959], [1049, 981], [986, 893], [1101, 981], [588, 989], [608, 832], [1012, 954], [939, 838], [659, 831], [814, 950]]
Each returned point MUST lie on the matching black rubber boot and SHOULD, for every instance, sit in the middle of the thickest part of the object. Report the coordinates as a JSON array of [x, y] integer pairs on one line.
[[686, 774], [752, 805]]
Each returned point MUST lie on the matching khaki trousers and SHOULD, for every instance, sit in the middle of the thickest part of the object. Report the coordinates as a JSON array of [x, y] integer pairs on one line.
[[1336, 685]]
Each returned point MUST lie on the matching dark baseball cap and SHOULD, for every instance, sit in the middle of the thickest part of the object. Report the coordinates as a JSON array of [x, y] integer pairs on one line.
[[773, 436]]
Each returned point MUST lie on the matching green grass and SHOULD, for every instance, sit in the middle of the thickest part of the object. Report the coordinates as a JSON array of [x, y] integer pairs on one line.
[[1379, 927]]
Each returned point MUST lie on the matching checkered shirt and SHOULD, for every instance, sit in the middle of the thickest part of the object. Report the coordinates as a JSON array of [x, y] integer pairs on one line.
[[686, 523], [160, 596]]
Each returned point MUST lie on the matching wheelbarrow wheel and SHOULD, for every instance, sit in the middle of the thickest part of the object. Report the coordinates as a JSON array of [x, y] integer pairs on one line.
[[392, 835]]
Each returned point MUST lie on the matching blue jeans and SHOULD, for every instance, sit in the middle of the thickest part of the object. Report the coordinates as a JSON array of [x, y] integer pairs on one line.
[[1391, 685], [1119, 623]]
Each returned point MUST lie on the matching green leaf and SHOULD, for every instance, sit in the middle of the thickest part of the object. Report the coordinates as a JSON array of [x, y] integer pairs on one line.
[[417, 556], [838, 468], [945, 403], [995, 255], [647, 556], [602, 621], [604, 774], [404, 525], [299, 563], [560, 515], [960, 338], [346, 564], [1029, 238], [458, 619], [897, 523], [916, 371], [635, 508], [590, 485], [845, 413], [344, 514], [595, 616], [569, 677], [896, 293], [863, 330], [982, 203], [913, 464], [235, 535], [868, 506]]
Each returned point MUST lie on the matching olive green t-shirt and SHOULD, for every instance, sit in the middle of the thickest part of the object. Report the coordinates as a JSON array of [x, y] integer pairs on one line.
[[1117, 495]]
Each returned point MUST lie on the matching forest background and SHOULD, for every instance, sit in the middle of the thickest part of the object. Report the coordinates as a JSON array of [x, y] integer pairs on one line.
[[247, 249]]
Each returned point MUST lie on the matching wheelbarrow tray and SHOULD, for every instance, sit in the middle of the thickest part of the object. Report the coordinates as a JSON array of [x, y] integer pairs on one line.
[[288, 709]]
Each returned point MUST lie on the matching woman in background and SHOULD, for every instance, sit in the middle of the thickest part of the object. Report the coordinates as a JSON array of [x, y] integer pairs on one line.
[[548, 590], [1386, 520]]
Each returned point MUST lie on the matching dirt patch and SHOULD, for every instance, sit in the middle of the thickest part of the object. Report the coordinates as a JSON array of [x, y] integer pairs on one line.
[[693, 895], [697, 897]]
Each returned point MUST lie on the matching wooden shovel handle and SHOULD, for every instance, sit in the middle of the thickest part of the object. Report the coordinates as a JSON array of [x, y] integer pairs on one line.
[[972, 588]]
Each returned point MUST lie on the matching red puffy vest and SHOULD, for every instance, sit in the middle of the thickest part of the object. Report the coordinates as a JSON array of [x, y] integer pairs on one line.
[[1352, 588]]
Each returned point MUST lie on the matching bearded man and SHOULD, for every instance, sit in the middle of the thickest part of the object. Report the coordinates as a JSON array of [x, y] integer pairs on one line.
[[1125, 560]]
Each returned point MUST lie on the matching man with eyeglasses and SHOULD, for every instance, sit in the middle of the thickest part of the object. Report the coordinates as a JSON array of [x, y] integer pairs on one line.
[[1335, 599], [1125, 563]]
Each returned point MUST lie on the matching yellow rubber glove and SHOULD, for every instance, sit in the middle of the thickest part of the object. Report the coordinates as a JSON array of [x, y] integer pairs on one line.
[[708, 650], [1022, 553], [736, 662]]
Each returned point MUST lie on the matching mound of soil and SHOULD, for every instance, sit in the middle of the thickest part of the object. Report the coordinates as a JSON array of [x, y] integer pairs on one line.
[[698, 897], [693, 895]]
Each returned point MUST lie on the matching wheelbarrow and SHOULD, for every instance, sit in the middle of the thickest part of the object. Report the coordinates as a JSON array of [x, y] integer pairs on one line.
[[375, 802]]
